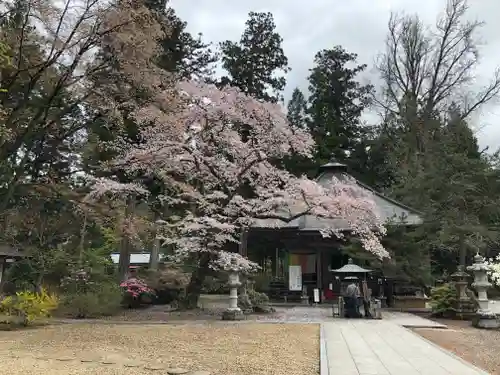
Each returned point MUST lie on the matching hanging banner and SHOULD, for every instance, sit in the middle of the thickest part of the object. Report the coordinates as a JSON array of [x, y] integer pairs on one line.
[[295, 278]]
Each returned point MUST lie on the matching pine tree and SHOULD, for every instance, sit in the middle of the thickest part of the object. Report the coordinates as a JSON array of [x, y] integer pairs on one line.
[[336, 103], [297, 116], [181, 53], [297, 109], [257, 63]]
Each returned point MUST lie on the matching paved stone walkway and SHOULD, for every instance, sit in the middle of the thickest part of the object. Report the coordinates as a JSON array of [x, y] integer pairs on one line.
[[409, 320], [319, 314], [358, 347]]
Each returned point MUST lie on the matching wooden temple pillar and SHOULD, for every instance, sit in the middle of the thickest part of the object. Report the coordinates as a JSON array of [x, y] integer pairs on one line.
[[319, 273]]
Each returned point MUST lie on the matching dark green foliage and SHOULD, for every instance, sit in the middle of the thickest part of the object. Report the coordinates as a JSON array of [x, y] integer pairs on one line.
[[256, 63], [169, 284], [215, 285], [298, 117], [332, 112], [410, 259], [297, 109], [103, 300], [443, 300], [336, 102], [254, 302], [90, 293], [457, 191], [257, 298], [261, 282], [181, 52], [426, 150]]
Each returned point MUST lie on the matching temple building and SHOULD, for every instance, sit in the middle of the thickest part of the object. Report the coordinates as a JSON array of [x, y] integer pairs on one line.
[[295, 256]]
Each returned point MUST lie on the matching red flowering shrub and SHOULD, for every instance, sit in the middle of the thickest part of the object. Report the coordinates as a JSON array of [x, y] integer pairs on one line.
[[137, 292]]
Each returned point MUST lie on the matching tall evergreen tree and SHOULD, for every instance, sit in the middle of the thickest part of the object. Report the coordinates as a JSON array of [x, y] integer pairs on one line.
[[456, 188], [256, 64], [297, 109], [336, 103], [181, 53], [298, 118]]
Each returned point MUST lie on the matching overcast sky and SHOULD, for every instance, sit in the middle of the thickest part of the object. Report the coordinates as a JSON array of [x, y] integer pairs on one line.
[[358, 25]]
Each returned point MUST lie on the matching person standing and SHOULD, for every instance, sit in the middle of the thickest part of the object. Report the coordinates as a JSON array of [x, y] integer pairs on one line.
[[351, 299]]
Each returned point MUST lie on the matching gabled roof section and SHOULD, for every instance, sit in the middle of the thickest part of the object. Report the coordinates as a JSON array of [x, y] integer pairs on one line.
[[391, 211]]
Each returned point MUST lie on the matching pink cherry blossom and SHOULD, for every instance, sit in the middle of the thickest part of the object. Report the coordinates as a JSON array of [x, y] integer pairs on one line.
[[215, 153], [101, 187]]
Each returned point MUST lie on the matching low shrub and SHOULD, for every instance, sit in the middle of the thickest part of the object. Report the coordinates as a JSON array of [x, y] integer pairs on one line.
[[103, 300], [261, 282], [257, 298], [215, 285], [443, 300], [169, 284], [254, 301], [26, 307], [87, 294]]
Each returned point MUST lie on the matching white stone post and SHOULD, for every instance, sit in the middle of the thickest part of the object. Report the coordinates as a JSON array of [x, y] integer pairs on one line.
[[484, 318], [233, 312], [234, 284]]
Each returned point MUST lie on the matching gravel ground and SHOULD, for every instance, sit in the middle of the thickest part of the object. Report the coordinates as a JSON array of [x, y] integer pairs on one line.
[[78, 349], [163, 313], [476, 346]]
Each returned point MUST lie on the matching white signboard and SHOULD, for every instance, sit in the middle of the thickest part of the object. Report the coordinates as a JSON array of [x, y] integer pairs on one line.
[[295, 278]]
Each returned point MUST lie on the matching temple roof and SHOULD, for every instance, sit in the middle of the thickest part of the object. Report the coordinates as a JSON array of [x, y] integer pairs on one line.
[[391, 211]]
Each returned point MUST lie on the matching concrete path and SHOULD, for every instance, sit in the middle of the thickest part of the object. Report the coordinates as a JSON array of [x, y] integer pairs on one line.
[[409, 320], [359, 347]]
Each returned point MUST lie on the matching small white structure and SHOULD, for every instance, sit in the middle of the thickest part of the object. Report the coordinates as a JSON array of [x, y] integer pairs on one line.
[[135, 258], [233, 312], [484, 318]]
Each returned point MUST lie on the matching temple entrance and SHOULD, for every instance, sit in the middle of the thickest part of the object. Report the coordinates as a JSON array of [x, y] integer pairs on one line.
[[303, 274], [308, 263]]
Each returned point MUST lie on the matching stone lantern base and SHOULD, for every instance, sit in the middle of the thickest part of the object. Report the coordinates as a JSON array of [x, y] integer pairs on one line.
[[464, 309], [230, 314], [485, 320]]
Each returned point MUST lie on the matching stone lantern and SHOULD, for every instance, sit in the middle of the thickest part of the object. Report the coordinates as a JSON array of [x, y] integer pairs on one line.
[[460, 280], [464, 306], [484, 317], [233, 312]]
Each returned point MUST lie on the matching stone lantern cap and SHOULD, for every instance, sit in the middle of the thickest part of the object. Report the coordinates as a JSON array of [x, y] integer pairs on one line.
[[479, 264]]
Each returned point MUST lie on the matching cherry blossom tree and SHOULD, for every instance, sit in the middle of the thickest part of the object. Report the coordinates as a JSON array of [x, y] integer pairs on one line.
[[494, 272], [220, 175], [128, 223], [214, 151]]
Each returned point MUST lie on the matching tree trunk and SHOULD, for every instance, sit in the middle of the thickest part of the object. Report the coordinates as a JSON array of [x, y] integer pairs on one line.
[[124, 260], [125, 245], [81, 246], [463, 252], [39, 284], [155, 251], [193, 290]]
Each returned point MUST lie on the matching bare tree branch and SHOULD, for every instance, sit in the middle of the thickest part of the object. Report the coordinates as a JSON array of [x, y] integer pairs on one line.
[[429, 69]]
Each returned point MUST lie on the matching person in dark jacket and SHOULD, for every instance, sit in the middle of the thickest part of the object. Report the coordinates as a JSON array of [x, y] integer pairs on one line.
[[351, 298]]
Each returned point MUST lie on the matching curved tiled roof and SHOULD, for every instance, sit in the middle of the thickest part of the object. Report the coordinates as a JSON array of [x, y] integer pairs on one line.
[[391, 211]]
